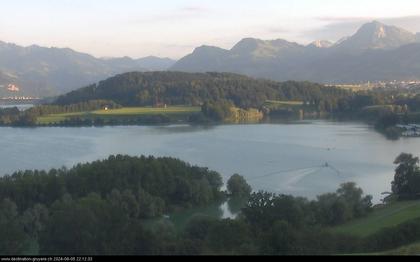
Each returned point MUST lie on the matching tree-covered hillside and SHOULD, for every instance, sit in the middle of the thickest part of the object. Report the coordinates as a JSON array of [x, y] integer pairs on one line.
[[176, 88]]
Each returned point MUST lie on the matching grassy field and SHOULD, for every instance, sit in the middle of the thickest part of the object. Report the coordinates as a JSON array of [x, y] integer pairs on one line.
[[383, 217], [56, 118], [130, 111], [122, 112]]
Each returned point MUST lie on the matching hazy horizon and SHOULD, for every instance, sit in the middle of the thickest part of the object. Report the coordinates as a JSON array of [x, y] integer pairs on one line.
[[110, 28]]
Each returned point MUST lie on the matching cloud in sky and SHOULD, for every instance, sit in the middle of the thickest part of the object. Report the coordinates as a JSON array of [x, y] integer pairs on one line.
[[176, 15], [195, 9]]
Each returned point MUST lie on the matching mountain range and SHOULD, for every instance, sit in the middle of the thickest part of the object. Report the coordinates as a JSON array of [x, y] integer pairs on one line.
[[41, 71], [376, 52]]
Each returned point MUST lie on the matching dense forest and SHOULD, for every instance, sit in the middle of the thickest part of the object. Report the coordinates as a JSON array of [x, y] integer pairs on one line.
[[103, 208], [176, 88], [170, 182]]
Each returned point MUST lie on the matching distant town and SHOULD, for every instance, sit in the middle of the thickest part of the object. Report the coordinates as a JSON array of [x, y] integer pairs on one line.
[[19, 98], [408, 84], [13, 88]]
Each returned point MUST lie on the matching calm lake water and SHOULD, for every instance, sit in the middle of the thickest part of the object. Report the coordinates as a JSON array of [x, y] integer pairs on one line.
[[302, 158]]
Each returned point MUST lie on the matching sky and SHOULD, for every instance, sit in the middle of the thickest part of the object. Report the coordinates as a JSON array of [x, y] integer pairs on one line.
[[173, 28]]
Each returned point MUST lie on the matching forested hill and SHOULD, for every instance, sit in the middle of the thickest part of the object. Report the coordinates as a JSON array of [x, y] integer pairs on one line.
[[177, 88]]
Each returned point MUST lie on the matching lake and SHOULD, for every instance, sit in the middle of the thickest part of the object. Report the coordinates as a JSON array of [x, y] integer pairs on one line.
[[303, 158]]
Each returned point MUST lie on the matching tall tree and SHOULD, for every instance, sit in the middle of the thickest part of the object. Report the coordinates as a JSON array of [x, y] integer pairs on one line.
[[406, 184], [13, 239], [238, 187]]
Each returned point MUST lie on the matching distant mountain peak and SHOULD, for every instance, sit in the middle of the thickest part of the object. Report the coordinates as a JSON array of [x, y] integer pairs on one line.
[[374, 23], [321, 44], [246, 45], [257, 48], [207, 47], [376, 35], [154, 57], [207, 50], [375, 29]]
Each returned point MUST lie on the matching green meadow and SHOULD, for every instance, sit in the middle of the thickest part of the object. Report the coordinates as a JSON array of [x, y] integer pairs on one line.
[[390, 215], [126, 112]]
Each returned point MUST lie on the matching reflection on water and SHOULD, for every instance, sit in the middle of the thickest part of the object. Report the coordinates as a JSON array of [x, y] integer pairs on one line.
[[234, 206], [171, 129], [228, 209], [281, 158]]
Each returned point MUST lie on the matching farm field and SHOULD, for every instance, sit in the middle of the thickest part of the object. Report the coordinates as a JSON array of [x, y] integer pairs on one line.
[[125, 112]]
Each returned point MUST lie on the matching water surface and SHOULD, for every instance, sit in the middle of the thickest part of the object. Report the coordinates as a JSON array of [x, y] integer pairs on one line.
[[302, 158]]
